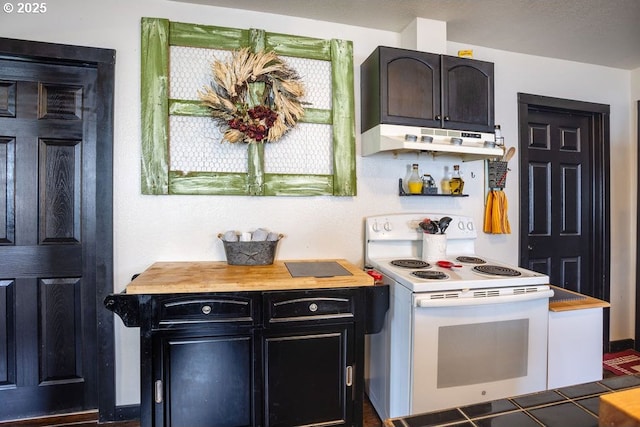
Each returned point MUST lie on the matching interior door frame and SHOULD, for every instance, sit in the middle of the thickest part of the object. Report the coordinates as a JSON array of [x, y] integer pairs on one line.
[[103, 60], [599, 154], [637, 313]]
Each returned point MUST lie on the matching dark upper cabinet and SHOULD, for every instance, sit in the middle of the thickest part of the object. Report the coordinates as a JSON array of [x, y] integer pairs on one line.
[[467, 94], [411, 88]]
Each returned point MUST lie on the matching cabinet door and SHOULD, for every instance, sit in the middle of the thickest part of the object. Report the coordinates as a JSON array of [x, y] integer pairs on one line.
[[308, 376], [467, 94], [400, 87], [206, 381]]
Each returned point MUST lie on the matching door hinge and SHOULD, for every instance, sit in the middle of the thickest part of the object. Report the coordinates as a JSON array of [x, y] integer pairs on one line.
[[349, 379], [158, 391]]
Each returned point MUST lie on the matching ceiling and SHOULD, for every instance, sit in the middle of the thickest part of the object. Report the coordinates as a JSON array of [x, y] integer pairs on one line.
[[604, 32]]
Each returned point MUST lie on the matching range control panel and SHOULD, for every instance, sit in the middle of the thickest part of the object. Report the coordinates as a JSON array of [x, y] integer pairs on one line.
[[406, 226]]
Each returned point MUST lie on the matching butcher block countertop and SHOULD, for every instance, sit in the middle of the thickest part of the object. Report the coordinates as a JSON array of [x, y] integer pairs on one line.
[[580, 303], [619, 409], [218, 276]]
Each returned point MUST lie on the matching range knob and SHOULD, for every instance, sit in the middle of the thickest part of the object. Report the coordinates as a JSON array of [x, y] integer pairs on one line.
[[387, 226], [375, 226]]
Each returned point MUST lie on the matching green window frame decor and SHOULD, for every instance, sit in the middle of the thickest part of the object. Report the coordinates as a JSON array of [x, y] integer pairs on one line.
[[159, 35]]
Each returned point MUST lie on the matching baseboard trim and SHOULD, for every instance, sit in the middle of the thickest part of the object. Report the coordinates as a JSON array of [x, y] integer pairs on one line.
[[49, 420], [128, 412], [621, 345]]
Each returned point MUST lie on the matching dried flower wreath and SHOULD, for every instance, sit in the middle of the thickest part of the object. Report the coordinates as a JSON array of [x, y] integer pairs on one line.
[[255, 97]]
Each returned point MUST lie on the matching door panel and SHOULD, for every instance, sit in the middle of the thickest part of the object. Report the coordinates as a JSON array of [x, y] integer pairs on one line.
[[208, 381], [409, 87], [7, 198], [558, 198], [467, 94], [305, 377], [47, 197]]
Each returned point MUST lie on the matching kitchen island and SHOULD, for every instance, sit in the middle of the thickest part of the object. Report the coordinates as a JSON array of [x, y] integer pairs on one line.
[[573, 406], [279, 344]]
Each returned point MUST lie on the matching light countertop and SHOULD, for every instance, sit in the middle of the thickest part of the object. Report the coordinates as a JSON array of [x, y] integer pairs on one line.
[[578, 304], [218, 276]]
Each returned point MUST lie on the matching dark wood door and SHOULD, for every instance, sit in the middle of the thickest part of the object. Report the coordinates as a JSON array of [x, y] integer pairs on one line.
[[467, 94], [307, 377], [564, 193], [47, 238], [557, 241]]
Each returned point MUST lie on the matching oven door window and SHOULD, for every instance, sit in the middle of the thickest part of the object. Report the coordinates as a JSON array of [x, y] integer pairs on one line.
[[482, 352]]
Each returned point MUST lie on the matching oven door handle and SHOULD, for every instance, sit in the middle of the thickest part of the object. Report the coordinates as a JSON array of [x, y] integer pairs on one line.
[[502, 299]]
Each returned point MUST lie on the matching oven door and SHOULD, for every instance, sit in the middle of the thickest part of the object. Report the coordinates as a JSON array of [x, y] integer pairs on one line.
[[472, 350]]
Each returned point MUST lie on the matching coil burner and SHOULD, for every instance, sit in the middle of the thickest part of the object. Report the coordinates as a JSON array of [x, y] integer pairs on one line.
[[430, 274], [410, 263], [470, 260], [496, 270]]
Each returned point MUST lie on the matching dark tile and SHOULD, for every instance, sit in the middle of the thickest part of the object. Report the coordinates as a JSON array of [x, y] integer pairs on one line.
[[435, 418], [519, 419], [564, 415], [591, 403], [537, 399], [622, 381], [488, 408], [580, 390]]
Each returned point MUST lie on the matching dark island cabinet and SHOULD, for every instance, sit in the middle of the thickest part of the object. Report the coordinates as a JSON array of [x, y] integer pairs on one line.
[[272, 359], [313, 350], [413, 88], [203, 381]]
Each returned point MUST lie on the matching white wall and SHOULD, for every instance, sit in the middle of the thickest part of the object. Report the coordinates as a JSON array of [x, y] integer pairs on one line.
[[157, 228]]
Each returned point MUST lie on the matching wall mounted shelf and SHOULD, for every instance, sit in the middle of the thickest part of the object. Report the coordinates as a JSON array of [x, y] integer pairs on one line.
[[403, 193]]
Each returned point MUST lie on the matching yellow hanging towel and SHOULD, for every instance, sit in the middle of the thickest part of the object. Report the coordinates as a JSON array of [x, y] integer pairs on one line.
[[496, 220]]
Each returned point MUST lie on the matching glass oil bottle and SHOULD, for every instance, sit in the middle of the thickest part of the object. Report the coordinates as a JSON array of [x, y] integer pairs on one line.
[[415, 182], [456, 184]]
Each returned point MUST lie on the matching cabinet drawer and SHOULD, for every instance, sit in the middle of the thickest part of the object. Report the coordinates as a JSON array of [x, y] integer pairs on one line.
[[301, 306], [233, 309]]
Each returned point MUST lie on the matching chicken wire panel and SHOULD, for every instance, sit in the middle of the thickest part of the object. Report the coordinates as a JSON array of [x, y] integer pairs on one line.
[[195, 146], [316, 77], [190, 71], [306, 149]]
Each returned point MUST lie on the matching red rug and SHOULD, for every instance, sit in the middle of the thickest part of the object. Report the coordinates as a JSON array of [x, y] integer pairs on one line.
[[622, 363]]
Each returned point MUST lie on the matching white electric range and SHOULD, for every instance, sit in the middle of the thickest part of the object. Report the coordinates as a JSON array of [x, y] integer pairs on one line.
[[455, 335]]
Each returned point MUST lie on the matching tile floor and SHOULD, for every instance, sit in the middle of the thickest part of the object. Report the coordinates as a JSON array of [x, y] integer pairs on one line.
[[574, 406]]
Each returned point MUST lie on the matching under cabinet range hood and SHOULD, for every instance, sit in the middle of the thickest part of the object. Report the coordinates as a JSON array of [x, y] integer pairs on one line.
[[438, 142]]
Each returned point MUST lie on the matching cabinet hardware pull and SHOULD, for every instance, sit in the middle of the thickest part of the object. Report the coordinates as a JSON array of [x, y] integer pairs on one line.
[[206, 309], [313, 307], [158, 391], [349, 376]]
